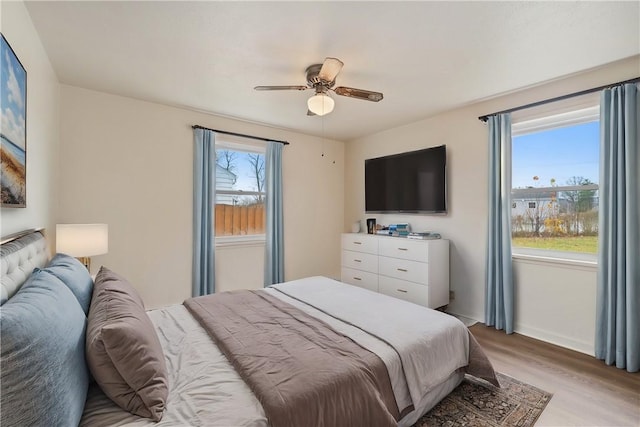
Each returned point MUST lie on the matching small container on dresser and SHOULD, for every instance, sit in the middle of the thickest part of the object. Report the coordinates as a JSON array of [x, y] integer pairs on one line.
[[413, 270]]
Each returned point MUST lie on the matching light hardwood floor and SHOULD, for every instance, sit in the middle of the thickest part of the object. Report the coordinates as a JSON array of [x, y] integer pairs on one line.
[[586, 392]]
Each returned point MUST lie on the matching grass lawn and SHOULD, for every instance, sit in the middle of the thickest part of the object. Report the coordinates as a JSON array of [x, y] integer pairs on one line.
[[586, 244]]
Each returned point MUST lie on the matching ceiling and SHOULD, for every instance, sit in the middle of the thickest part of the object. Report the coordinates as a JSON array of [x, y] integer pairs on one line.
[[426, 57]]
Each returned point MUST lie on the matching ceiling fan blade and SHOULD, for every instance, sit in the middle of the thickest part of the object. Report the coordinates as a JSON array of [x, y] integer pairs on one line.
[[330, 69], [310, 113], [367, 95], [281, 87]]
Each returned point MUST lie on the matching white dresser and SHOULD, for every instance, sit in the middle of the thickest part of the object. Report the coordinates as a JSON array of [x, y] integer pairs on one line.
[[413, 270]]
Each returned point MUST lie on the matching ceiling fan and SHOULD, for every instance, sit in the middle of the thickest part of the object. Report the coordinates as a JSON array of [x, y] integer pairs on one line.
[[322, 78]]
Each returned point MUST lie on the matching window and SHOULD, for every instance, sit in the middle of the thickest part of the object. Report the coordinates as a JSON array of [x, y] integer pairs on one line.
[[555, 172], [240, 192]]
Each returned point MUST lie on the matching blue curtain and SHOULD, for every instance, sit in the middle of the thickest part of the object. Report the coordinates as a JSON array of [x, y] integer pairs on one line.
[[274, 246], [618, 297], [498, 309], [204, 184]]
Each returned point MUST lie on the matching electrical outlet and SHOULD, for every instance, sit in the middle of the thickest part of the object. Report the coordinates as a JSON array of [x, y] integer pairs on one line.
[[452, 295]]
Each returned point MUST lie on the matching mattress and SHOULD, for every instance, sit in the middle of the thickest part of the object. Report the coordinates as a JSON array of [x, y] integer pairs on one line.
[[205, 390]]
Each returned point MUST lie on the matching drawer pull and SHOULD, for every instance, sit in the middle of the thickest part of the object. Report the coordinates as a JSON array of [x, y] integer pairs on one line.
[[402, 290], [357, 260], [403, 249], [357, 278], [404, 270], [357, 243]]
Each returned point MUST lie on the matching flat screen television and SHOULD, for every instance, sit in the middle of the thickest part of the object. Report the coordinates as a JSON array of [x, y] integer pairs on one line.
[[411, 182]]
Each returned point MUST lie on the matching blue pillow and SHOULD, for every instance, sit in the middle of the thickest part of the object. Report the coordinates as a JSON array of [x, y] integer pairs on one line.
[[43, 370], [75, 275]]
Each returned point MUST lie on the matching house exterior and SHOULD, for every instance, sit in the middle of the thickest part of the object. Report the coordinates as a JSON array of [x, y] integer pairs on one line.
[[225, 180], [546, 213]]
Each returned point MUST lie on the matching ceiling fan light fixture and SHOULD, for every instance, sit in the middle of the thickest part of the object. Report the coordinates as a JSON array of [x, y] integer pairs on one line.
[[320, 104]]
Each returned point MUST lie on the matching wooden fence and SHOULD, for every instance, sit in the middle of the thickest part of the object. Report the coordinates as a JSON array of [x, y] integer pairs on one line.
[[239, 220]]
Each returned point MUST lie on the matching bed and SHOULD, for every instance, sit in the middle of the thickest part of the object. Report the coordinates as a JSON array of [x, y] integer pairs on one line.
[[424, 353]]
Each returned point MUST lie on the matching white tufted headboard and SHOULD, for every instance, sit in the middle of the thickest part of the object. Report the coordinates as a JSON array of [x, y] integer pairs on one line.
[[19, 255]]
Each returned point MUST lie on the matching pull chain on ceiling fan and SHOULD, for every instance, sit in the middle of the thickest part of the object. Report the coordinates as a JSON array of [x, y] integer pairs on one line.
[[322, 78]]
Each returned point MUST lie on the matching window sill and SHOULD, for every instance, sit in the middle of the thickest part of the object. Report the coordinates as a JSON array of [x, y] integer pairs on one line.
[[568, 259], [240, 241]]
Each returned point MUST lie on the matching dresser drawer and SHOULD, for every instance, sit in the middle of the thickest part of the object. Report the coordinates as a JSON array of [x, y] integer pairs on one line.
[[360, 261], [398, 247], [408, 291], [359, 278], [360, 242], [404, 269]]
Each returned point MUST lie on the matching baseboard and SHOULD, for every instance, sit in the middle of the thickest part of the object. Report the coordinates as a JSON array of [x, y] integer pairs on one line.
[[474, 318], [468, 321], [557, 339], [543, 335]]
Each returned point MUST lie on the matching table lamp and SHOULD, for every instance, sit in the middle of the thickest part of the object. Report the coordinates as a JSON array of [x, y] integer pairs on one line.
[[82, 241]]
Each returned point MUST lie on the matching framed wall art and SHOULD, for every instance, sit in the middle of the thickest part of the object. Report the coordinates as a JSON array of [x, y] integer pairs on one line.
[[13, 129]]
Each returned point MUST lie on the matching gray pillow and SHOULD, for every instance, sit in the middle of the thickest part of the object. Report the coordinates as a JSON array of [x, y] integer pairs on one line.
[[75, 275], [123, 350], [44, 375]]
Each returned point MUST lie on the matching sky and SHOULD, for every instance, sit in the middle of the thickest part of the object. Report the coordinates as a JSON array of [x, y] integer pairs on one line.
[[13, 93], [244, 172], [559, 153]]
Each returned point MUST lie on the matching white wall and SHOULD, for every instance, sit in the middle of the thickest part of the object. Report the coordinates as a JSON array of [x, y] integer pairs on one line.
[[42, 124], [128, 163], [554, 303]]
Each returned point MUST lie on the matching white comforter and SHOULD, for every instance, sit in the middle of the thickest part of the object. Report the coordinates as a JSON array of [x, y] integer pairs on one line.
[[205, 390]]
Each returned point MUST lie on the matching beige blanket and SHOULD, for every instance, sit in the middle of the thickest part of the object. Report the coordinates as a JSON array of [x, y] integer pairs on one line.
[[301, 370]]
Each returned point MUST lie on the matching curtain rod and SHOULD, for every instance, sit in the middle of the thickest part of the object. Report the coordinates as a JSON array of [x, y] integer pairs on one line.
[[239, 134], [559, 98]]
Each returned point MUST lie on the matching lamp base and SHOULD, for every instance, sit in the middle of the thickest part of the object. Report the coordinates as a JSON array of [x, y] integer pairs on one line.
[[86, 261]]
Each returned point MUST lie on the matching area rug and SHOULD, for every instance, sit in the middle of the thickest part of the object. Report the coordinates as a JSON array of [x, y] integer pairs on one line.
[[475, 403]]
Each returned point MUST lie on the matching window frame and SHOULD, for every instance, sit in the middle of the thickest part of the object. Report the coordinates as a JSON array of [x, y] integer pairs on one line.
[[586, 112], [247, 146]]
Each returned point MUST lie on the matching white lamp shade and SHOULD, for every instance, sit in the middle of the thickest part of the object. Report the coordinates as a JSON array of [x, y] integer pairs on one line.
[[320, 104], [82, 240]]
